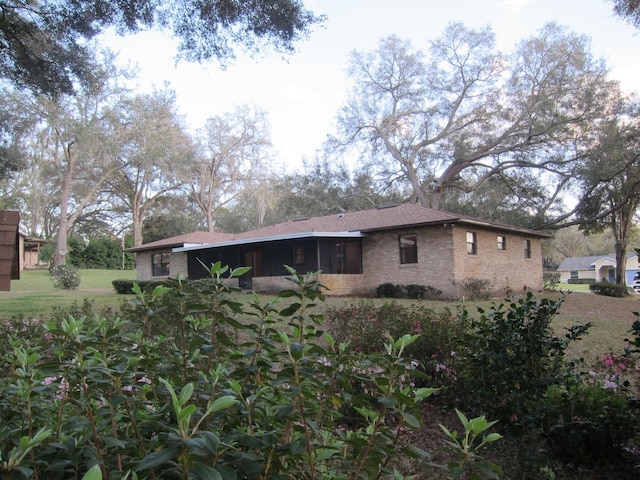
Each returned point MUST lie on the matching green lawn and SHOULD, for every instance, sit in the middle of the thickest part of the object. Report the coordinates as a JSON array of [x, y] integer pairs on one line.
[[34, 293], [34, 296]]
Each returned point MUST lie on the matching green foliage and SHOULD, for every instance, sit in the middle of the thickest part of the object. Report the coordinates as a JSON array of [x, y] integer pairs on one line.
[[125, 286], [465, 448], [476, 288], [413, 291], [389, 290], [105, 253], [609, 289], [551, 280], [65, 277], [509, 356], [193, 384], [581, 281], [367, 327], [586, 422]]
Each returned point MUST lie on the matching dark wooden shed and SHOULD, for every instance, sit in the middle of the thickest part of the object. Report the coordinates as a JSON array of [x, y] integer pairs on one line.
[[9, 248]]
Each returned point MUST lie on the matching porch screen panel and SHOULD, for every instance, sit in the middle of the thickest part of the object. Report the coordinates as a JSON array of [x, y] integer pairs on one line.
[[340, 256], [283, 254], [306, 256], [352, 256]]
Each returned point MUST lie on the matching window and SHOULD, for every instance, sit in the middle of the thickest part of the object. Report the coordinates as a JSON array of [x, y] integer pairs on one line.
[[472, 243], [573, 274], [160, 264], [502, 242], [408, 249], [299, 254], [527, 249]]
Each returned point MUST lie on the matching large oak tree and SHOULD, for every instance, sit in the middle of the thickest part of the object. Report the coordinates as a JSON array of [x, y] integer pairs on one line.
[[464, 113], [43, 43]]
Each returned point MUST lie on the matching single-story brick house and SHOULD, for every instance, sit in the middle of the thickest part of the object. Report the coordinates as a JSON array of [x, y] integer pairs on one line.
[[597, 268], [357, 251]]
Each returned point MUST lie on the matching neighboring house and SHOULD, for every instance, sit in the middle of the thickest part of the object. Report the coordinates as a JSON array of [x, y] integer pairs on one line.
[[597, 268], [357, 251], [30, 251]]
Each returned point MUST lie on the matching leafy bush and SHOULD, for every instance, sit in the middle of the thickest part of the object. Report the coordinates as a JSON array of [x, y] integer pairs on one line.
[[65, 277], [609, 289], [551, 280], [581, 281], [586, 422], [509, 357], [413, 291], [367, 327], [422, 291], [125, 287], [200, 386], [476, 288], [389, 290]]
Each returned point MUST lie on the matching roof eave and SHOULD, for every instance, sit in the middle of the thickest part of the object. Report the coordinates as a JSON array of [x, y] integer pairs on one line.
[[272, 238]]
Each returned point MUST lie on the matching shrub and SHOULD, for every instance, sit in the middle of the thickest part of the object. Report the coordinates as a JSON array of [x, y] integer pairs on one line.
[[510, 355], [65, 277], [422, 291], [476, 288], [609, 289], [581, 281], [125, 287], [585, 422], [226, 391], [413, 291], [367, 327], [551, 280], [389, 290]]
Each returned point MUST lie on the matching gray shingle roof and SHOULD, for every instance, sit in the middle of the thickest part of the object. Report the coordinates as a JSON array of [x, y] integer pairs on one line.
[[586, 263], [196, 238], [381, 218]]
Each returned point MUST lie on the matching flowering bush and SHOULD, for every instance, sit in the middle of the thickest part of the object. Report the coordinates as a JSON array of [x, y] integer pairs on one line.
[[367, 327], [203, 387], [65, 277]]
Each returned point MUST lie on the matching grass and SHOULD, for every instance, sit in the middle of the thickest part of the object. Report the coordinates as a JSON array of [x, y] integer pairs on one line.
[[34, 295]]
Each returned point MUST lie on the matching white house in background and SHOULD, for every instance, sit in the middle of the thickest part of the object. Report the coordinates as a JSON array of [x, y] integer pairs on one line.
[[597, 267]]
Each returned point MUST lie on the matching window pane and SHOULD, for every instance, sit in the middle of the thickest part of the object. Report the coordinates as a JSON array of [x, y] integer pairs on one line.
[[408, 249], [472, 247], [502, 242], [160, 264], [527, 249]]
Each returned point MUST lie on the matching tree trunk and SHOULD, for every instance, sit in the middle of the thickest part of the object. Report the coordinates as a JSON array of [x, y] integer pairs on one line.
[[60, 254]]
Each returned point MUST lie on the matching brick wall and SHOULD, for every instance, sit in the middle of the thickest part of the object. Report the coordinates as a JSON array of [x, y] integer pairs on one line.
[[337, 284], [508, 270], [443, 261], [177, 265], [381, 259]]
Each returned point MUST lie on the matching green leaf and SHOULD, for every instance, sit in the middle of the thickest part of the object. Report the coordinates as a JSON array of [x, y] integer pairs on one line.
[[238, 272], [94, 473], [204, 472], [156, 459], [411, 420], [211, 441], [388, 401], [222, 403], [186, 412], [185, 393]]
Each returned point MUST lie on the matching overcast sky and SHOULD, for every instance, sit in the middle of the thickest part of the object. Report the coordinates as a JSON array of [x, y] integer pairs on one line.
[[303, 93]]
